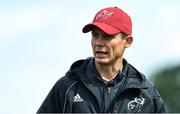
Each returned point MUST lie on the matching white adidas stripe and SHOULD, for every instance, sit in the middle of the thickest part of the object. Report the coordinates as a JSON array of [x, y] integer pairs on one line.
[[77, 98]]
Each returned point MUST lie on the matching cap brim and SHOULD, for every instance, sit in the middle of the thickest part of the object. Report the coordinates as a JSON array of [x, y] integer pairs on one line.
[[104, 27]]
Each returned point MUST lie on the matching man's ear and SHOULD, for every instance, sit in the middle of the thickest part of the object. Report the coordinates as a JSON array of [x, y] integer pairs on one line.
[[128, 41]]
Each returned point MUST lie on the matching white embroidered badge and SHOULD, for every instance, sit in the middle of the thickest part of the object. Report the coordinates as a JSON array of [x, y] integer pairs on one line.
[[136, 104]]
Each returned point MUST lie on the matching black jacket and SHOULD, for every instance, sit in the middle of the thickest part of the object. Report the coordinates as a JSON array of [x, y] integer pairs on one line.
[[74, 93]]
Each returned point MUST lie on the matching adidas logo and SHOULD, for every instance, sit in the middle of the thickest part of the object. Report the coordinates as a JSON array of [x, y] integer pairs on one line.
[[77, 98]]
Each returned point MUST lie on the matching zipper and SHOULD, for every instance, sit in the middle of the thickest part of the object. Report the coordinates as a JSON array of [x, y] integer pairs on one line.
[[120, 90], [106, 92], [104, 97]]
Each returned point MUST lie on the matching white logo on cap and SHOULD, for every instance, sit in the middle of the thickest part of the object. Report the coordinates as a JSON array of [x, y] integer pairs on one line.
[[104, 15]]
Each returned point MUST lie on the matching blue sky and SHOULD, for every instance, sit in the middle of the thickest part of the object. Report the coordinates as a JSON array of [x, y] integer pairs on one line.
[[39, 40]]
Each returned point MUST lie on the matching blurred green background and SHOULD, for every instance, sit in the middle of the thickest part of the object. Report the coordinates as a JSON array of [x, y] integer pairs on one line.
[[167, 81]]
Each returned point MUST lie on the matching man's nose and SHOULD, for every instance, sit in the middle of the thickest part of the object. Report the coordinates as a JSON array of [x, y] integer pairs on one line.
[[99, 41]]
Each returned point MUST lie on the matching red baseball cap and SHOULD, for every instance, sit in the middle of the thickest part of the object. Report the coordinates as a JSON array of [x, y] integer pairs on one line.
[[111, 20]]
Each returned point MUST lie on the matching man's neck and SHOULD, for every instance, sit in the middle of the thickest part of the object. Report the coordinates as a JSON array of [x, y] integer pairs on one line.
[[109, 72]]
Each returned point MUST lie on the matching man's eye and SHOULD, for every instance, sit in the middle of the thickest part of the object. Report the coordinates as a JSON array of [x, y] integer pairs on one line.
[[94, 34], [109, 37]]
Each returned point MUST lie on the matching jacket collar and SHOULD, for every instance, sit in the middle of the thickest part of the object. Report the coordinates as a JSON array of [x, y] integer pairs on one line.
[[134, 78]]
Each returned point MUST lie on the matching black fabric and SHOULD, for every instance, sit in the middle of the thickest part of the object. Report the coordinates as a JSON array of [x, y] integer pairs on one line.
[[83, 91]]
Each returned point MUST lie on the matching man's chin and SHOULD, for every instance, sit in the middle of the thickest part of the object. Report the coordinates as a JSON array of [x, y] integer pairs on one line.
[[102, 61]]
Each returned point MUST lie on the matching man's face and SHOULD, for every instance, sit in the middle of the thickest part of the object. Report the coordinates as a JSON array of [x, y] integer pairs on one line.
[[107, 49]]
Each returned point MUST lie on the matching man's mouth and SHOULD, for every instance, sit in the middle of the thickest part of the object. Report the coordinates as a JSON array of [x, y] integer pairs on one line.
[[101, 54]]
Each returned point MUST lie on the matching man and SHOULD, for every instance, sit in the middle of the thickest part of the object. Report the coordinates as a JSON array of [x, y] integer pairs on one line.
[[105, 83]]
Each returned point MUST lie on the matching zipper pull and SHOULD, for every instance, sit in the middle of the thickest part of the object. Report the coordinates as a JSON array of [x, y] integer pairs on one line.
[[109, 85], [109, 90]]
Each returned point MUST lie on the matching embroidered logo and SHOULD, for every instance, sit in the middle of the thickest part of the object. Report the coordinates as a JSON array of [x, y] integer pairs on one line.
[[104, 14], [136, 104], [77, 98]]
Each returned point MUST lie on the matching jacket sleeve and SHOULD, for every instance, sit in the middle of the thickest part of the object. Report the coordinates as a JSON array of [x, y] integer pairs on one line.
[[54, 101], [159, 103], [51, 104]]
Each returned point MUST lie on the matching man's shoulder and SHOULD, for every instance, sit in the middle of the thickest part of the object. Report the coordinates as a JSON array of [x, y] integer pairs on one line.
[[150, 87], [64, 83], [146, 84], [69, 78], [80, 63]]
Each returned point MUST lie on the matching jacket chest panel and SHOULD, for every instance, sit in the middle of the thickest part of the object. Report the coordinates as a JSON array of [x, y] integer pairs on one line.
[[131, 103], [83, 101]]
